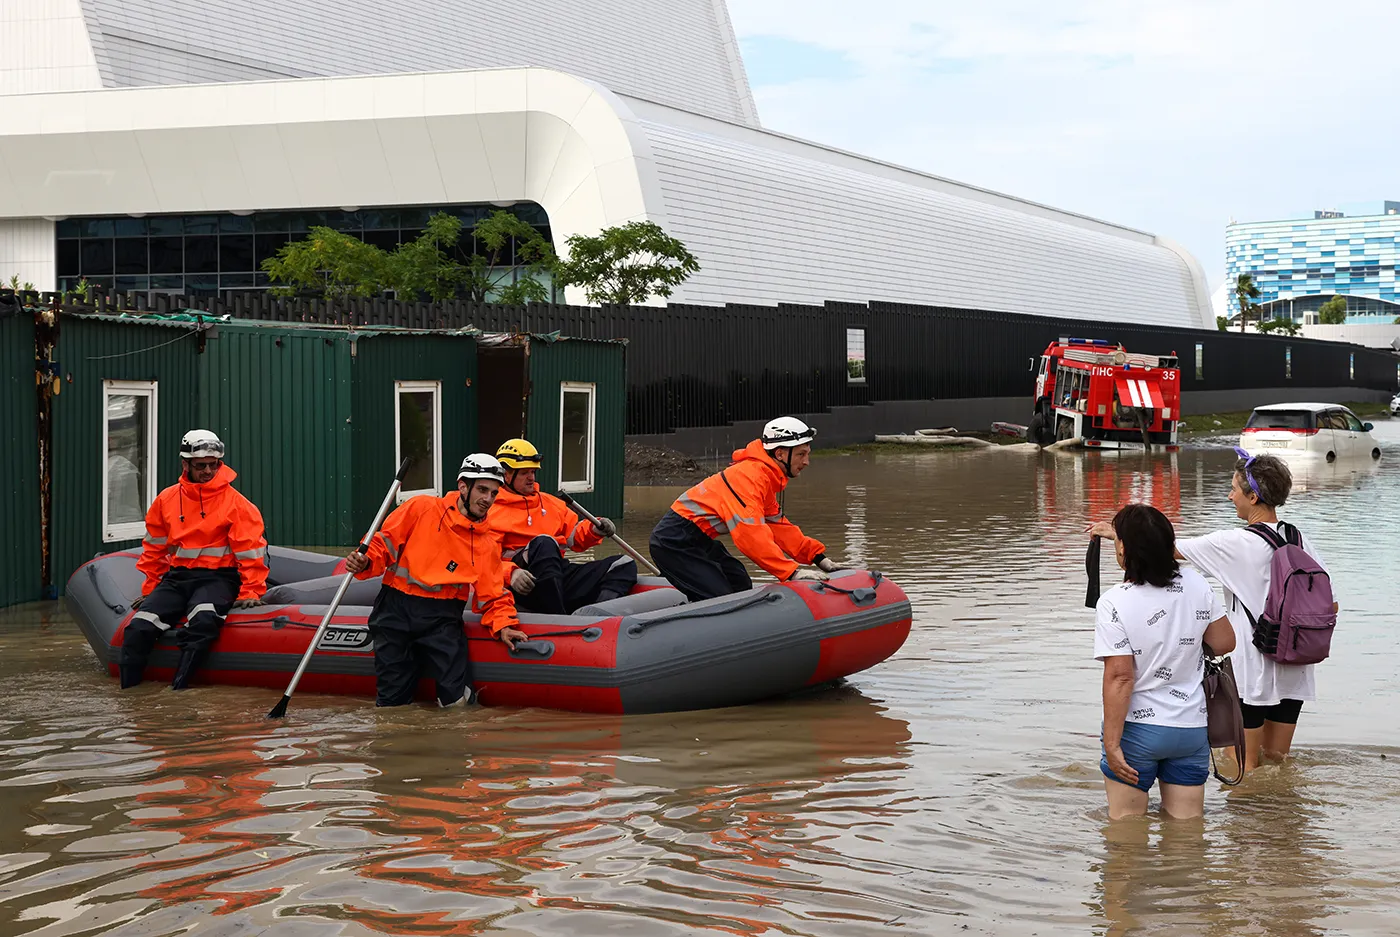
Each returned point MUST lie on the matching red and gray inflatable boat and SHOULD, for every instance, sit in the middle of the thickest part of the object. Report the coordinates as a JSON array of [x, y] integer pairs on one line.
[[650, 651]]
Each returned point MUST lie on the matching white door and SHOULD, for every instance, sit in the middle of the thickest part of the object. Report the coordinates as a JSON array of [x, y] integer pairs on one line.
[[1357, 442], [1332, 433]]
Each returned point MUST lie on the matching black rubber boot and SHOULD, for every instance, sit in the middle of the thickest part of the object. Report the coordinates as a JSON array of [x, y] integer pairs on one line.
[[131, 674], [189, 663]]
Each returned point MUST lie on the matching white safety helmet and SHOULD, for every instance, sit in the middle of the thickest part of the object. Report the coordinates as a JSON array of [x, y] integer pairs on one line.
[[201, 444], [482, 465], [785, 432]]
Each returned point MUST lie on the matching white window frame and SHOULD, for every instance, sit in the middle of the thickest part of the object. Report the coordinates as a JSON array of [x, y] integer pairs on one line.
[[864, 356], [576, 387], [420, 387], [148, 389]]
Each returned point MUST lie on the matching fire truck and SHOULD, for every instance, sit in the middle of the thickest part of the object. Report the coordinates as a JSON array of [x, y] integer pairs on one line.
[[1093, 390]]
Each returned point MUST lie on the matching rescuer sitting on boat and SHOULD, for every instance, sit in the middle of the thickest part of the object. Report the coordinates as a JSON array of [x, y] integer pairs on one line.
[[741, 500], [204, 553], [536, 528], [436, 554]]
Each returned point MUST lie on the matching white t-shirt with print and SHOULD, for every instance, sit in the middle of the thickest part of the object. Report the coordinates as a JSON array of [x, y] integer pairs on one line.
[[1241, 562], [1161, 627]]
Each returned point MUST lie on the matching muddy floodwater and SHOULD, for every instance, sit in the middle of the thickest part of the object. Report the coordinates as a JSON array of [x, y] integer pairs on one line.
[[952, 790]]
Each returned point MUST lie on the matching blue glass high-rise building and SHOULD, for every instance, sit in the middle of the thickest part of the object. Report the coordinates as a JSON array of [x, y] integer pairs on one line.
[[1300, 264]]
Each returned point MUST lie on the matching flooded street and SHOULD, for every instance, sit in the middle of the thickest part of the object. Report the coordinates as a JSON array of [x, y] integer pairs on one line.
[[954, 789]]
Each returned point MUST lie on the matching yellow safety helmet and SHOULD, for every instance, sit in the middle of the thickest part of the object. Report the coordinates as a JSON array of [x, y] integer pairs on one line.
[[518, 454]]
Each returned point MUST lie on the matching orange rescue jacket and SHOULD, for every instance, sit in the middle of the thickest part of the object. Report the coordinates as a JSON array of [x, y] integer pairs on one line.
[[520, 519], [208, 526], [742, 501], [429, 548]]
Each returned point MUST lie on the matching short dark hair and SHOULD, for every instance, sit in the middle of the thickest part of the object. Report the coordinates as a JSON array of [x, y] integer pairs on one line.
[[1149, 545], [1271, 474]]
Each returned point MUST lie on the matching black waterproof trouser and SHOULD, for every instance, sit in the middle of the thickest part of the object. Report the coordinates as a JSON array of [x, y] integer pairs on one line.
[[416, 637], [694, 562], [562, 588], [203, 597]]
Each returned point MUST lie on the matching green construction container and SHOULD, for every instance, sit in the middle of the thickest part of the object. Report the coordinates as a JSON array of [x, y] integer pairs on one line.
[[19, 462]]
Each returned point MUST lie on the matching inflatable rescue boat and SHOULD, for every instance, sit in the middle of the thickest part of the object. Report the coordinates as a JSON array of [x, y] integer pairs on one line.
[[650, 651]]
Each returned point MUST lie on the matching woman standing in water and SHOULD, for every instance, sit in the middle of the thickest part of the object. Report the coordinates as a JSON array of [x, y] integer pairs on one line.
[[1272, 694], [1149, 633]]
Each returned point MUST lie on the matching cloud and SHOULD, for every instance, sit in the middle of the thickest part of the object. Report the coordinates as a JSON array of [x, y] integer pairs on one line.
[[1170, 117]]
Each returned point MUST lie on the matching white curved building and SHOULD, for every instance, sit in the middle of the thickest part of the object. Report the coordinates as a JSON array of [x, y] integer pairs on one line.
[[598, 113]]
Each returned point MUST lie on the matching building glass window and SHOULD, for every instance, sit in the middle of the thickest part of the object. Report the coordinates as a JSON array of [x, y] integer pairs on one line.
[[855, 356], [1200, 361], [418, 436], [215, 253], [577, 418], [129, 457]]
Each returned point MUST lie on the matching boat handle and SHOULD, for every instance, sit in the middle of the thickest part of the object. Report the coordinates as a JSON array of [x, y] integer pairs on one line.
[[637, 628], [93, 573], [859, 596], [532, 650]]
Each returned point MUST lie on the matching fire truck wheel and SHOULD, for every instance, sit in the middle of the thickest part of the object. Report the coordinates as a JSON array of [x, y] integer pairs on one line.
[[1035, 431], [1064, 428]]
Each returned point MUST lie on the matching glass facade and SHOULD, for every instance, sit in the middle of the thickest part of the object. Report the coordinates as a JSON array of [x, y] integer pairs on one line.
[[1298, 265], [208, 254]]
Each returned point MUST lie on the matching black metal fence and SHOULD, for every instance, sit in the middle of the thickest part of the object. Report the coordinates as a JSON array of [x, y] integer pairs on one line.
[[691, 366]]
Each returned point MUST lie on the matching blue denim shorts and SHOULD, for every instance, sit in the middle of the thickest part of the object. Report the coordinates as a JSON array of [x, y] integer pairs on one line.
[[1169, 753]]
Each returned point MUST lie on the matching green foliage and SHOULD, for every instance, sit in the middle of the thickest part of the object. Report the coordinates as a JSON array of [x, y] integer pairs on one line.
[[18, 287], [329, 263], [425, 264], [1246, 291], [1333, 312], [1286, 326], [490, 275], [1222, 323], [627, 264]]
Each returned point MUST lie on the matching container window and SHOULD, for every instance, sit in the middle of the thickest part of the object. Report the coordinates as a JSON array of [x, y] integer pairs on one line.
[[577, 419], [1288, 362], [855, 356], [418, 436], [129, 463], [1351, 367], [1200, 362]]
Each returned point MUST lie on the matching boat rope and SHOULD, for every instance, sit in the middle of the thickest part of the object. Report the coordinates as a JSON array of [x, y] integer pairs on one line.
[[637, 628]]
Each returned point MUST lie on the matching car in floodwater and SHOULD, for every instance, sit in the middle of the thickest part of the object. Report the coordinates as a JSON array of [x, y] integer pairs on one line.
[[1324, 429], [1395, 405]]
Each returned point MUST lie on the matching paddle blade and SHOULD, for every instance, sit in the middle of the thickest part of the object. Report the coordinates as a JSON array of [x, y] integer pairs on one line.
[[280, 709]]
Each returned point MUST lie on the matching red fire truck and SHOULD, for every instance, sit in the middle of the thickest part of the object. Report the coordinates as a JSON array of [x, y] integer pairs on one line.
[[1096, 391]]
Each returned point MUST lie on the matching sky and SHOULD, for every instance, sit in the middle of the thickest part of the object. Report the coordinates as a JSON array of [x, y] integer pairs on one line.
[[1173, 116]]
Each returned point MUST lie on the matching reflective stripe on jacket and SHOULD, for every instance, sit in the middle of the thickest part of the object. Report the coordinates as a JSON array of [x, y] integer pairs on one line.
[[208, 526], [520, 519], [429, 548], [742, 501]]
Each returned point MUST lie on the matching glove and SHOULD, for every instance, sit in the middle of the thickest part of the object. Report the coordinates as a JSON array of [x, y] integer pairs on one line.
[[827, 565], [248, 603], [813, 575], [605, 527], [136, 602], [521, 582]]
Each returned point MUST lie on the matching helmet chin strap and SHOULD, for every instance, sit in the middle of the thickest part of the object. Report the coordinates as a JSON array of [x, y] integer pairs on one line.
[[786, 464]]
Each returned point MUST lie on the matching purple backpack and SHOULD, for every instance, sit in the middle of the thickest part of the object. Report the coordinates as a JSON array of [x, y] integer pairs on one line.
[[1298, 619]]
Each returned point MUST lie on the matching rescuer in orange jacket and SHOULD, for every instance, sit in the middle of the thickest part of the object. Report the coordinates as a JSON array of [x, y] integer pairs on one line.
[[742, 501], [436, 555], [535, 530], [203, 554]]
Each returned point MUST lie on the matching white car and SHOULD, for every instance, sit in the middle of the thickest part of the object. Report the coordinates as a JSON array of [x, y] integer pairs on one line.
[[1325, 429], [1395, 405]]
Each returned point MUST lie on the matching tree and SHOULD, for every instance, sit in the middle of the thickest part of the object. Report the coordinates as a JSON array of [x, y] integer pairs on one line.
[[424, 265], [627, 264], [1246, 291], [328, 263], [492, 276], [1333, 312], [1287, 326], [1222, 323]]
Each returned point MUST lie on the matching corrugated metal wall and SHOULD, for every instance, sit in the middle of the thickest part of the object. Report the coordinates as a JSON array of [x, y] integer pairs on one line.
[[379, 361], [280, 401], [599, 363], [19, 463], [92, 351]]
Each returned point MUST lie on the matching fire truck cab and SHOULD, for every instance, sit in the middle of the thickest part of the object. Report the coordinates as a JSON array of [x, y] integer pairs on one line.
[[1093, 390]]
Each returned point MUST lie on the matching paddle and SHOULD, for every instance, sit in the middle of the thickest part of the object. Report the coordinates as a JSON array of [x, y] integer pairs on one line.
[[280, 709], [626, 547]]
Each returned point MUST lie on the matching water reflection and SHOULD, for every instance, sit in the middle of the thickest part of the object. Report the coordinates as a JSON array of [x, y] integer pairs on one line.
[[954, 789]]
